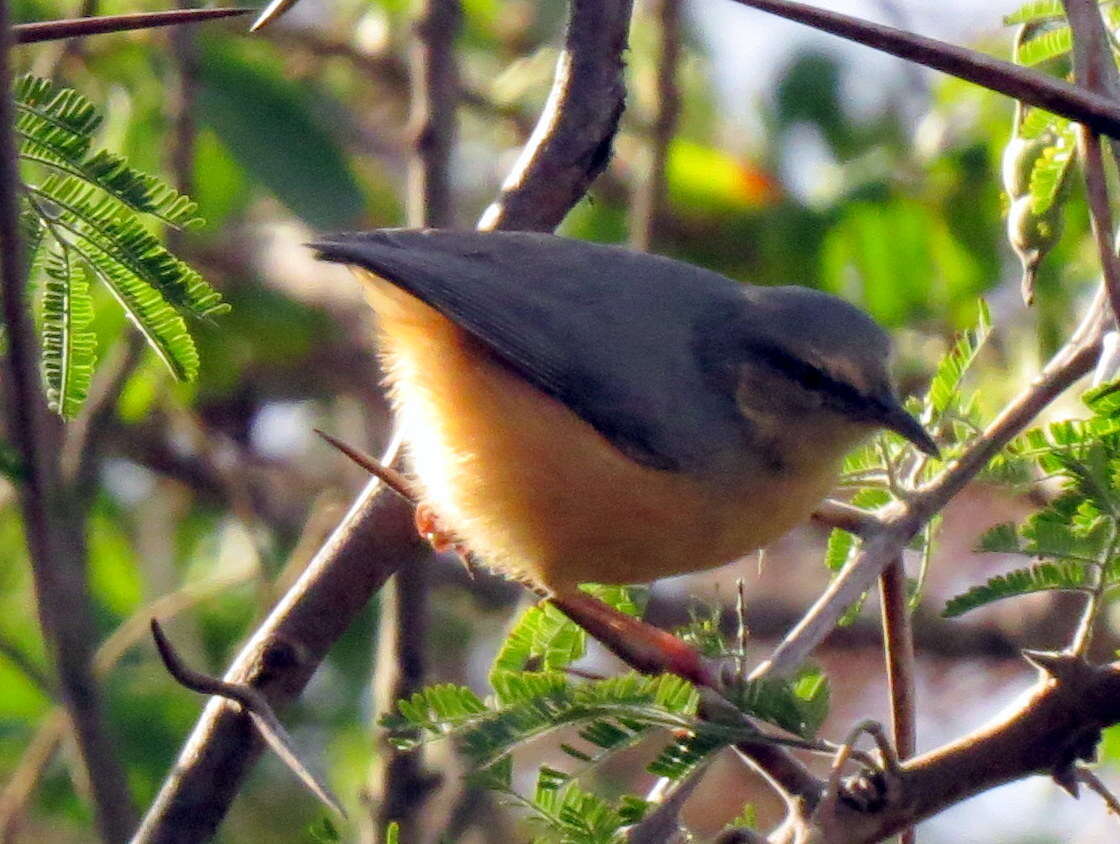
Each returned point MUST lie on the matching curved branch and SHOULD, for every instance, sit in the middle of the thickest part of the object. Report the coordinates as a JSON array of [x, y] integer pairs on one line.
[[571, 144]]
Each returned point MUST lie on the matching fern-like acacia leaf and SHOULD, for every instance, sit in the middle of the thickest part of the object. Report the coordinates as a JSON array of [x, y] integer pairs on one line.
[[1043, 577], [69, 346], [1036, 10], [97, 218]]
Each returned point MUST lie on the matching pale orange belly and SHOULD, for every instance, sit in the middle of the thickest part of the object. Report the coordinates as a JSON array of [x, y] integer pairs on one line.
[[535, 491]]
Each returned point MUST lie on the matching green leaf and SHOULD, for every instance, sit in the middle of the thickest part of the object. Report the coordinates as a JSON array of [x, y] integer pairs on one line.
[[543, 638], [98, 220], [1048, 178], [945, 385], [704, 632], [62, 118], [1046, 46], [323, 831], [1104, 400], [612, 713], [56, 126], [630, 600], [798, 705], [1036, 10], [1040, 122], [88, 205], [1001, 539], [69, 346], [746, 819], [1042, 577], [572, 814], [681, 756], [440, 707], [839, 550]]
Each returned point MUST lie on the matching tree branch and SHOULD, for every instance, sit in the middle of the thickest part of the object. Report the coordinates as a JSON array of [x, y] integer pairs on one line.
[[898, 648], [571, 143], [1057, 724], [649, 196], [30, 33], [1037, 89]]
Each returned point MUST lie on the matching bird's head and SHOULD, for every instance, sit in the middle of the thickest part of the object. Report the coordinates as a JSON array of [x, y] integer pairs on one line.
[[816, 364]]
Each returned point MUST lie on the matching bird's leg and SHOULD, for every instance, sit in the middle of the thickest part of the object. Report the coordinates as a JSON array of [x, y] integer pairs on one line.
[[429, 527], [641, 645], [440, 538]]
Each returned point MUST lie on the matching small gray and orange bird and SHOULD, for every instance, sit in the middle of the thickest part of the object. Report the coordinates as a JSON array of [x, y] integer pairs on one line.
[[578, 412]]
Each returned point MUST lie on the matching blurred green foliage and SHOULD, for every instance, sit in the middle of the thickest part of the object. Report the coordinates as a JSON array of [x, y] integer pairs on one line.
[[296, 131]]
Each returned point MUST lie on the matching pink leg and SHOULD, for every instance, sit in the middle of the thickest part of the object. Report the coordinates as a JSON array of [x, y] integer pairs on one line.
[[428, 526], [643, 646]]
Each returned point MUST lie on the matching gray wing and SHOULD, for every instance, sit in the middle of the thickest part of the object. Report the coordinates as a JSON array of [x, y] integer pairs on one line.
[[621, 338]]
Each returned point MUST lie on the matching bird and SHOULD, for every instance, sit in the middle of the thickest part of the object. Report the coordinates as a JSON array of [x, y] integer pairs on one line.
[[578, 412]]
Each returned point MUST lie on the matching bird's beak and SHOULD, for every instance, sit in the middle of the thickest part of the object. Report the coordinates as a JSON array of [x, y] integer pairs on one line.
[[902, 423]]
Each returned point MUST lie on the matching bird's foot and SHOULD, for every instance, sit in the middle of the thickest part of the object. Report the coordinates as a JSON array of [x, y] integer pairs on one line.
[[428, 525], [641, 645]]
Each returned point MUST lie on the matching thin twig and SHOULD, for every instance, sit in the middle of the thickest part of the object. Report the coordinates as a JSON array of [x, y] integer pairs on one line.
[[1095, 70], [1021, 83], [1090, 779], [255, 705], [53, 531], [649, 195], [31, 33], [898, 648]]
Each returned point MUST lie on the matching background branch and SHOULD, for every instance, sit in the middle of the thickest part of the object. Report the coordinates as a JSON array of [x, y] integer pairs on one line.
[[401, 785], [649, 195]]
